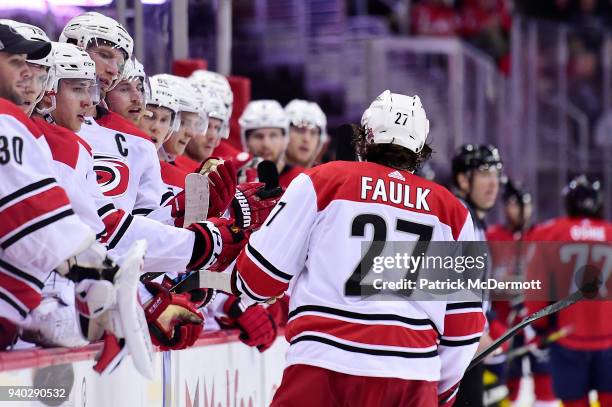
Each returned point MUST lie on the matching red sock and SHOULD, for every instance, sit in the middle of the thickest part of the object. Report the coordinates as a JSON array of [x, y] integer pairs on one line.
[[543, 387], [583, 402], [605, 399], [514, 385]]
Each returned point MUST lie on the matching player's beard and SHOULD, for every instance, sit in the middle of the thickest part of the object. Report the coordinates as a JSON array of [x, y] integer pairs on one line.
[[11, 93]]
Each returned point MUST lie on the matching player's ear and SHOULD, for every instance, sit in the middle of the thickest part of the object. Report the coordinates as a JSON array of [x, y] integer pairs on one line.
[[463, 182]]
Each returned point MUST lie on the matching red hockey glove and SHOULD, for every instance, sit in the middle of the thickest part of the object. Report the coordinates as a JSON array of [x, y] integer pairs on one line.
[[199, 297], [174, 321], [8, 333], [257, 327], [178, 209], [222, 185], [218, 243], [252, 204]]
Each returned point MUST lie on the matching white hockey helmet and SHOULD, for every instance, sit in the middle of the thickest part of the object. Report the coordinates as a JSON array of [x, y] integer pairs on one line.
[[309, 114], [134, 70], [393, 118], [260, 114], [163, 96], [71, 62], [32, 33], [213, 103], [91, 26], [217, 83], [220, 85], [191, 100]]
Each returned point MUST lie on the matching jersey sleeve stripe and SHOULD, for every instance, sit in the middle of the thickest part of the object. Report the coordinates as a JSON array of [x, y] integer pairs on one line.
[[141, 212], [38, 185], [5, 296], [36, 226], [358, 349], [261, 284], [463, 324], [20, 292], [117, 230], [269, 267], [105, 209], [166, 197], [371, 334], [26, 211], [361, 316], [462, 305], [30, 279], [464, 342], [245, 288]]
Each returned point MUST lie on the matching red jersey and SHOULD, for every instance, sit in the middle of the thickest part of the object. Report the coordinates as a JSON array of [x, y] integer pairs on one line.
[[173, 176], [561, 250], [186, 164], [288, 174]]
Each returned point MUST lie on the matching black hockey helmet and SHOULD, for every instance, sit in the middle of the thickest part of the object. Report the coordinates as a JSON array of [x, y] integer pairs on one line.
[[583, 197], [472, 157], [514, 191]]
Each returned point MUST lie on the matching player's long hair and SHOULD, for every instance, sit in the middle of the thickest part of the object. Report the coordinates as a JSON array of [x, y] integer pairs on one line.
[[391, 155]]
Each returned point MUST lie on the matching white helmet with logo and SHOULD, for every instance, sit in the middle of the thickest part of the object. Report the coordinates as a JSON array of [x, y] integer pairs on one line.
[[134, 70], [220, 85], [214, 106], [260, 114], [32, 33], [191, 100], [396, 119], [162, 95], [91, 26], [303, 113], [71, 62]]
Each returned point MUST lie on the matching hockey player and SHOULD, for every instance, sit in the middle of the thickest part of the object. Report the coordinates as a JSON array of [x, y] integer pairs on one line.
[[170, 248], [508, 254], [128, 98], [126, 161], [264, 129], [476, 170], [566, 251], [36, 216], [307, 132], [346, 350]]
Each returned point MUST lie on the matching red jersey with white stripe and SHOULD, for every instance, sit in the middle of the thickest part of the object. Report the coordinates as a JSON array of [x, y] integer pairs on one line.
[[38, 227], [169, 248], [314, 237], [126, 164], [561, 250]]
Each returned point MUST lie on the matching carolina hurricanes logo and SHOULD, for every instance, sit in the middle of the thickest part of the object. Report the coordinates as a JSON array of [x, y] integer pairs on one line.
[[112, 173]]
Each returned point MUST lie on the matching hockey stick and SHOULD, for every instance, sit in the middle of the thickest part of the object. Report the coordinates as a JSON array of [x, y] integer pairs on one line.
[[552, 338], [544, 312]]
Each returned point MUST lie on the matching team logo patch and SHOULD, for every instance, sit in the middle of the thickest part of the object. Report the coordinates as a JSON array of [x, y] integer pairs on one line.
[[112, 174]]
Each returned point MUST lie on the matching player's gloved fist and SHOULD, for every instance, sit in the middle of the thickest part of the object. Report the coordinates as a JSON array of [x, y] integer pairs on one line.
[[253, 203], [199, 296], [256, 325], [177, 211], [222, 184], [218, 243], [174, 321]]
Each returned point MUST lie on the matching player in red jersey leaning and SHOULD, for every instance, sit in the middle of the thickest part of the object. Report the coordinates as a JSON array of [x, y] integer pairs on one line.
[[569, 251], [346, 350]]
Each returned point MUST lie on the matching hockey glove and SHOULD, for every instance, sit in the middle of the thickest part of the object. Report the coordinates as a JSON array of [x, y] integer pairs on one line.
[[253, 203], [222, 184], [218, 243], [174, 321], [257, 327], [199, 297]]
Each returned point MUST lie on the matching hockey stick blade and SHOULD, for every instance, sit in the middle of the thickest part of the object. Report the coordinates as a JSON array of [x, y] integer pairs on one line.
[[204, 279], [544, 312]]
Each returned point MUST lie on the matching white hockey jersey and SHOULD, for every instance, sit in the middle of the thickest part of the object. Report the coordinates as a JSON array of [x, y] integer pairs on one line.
[[38, 227], [314, 237], [126, 164], [168, 248]]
